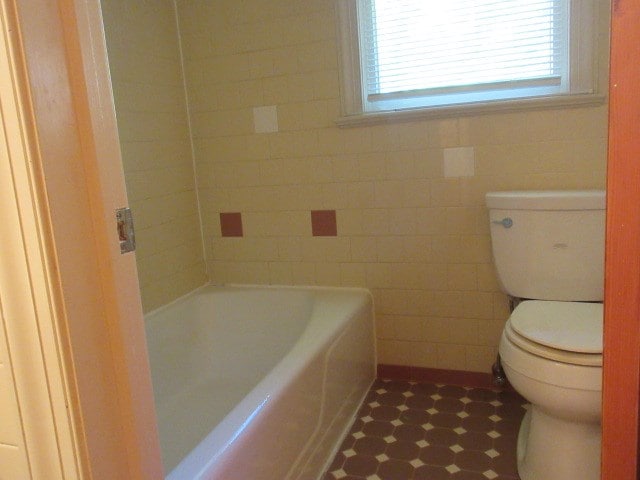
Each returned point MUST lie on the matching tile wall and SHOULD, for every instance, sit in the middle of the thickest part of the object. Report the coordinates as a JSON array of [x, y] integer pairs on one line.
[[264, 94], [151, 110], [263, 89]]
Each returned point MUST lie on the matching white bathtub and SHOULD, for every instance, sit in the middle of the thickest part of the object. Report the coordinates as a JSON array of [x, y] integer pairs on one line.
[[258, 383]]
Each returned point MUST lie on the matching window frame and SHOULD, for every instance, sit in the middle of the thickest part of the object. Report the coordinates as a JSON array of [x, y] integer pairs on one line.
[[583, 73]]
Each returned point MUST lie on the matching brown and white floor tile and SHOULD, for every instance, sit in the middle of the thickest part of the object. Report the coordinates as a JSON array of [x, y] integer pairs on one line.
[[423, 431]]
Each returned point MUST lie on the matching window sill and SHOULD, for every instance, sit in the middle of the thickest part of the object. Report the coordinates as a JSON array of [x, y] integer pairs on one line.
[[540, 103]]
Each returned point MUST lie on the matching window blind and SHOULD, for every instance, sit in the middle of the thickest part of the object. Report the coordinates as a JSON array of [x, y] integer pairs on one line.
[[418, 48]]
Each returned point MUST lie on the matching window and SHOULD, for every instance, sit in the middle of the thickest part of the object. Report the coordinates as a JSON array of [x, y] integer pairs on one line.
[[438, 55]]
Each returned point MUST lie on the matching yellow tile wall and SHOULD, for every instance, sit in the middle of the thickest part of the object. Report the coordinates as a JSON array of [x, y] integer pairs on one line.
[[151, 110], [418, 240]]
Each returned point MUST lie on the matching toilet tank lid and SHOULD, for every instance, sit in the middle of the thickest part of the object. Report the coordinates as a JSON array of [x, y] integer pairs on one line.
[[547, 200], [568, 326]]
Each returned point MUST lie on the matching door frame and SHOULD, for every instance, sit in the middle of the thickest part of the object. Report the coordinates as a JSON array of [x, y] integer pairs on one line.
[[621, 369], [60, 51]]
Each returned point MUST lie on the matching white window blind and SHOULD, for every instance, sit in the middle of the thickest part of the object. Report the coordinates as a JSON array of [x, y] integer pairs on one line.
[[417, 53]]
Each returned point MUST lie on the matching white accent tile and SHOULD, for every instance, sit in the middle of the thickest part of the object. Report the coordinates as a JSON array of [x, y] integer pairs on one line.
[[465, 400], [349, 453], [407, 394], [456, 448], [435, 396], [416, 463], [402, 408], [374, 404], [389, 439], [462, 414], [373, 477], [265, 119], [459, 162], [339, 473], [382, 458], [422, 443], [366, 419], [396, 423], [380, 391], [490, 474], [493, 434], [496, 403], [453, 468], [495, 418], [358, 435], [492, 453], [431, 411], [459, 430], [427, 426]]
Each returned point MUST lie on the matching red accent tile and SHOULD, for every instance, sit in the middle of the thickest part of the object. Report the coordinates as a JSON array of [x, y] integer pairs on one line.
[[475, 441], [452, 391], [506, 427], [378, 429], [412, 416], [391, 399], [369, 446], [481, 409], [437, 455], [323, 223], [395, 470], [427, 389], [482, 395], [509, 411], [403, 450], [362, 465], [231, 224], [505, 464], [431, 472], [409, 433], [443, 436], [473, 460], [479, 424], [445, 420], [385, 413], [420, 402], [449, 405]]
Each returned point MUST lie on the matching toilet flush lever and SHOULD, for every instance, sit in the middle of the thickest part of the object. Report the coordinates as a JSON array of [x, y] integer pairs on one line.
[[505, 222]]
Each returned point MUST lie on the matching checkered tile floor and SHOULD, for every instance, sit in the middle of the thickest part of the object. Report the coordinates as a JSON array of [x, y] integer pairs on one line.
[[422, 431]]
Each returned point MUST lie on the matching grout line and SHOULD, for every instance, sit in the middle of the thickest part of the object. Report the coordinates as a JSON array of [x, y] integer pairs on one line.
[[193, 150]]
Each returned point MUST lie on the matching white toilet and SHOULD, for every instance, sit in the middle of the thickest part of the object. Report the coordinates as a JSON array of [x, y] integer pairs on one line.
[[548, 248]]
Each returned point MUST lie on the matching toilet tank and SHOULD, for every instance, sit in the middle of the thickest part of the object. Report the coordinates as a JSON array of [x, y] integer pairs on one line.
[[549, 245]]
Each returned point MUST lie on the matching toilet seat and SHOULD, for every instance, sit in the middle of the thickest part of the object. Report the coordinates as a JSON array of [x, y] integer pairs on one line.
[[567, 332]]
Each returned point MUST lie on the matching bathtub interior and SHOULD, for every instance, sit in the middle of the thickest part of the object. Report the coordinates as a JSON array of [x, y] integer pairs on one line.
[[199, 373], [218, 379]]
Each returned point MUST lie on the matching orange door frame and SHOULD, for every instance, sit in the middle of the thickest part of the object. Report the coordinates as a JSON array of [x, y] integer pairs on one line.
[[621, 387]]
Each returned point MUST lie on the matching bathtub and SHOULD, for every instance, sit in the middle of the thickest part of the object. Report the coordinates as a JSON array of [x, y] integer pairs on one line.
[[258, 383]]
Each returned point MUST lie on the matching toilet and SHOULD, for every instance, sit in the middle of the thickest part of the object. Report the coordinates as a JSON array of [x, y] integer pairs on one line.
[[548, 249]]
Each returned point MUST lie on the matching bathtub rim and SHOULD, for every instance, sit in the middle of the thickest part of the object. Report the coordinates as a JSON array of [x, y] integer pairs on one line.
[[257, 286]]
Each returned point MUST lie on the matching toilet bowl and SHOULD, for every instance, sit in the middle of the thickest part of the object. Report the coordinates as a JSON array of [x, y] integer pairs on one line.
[[557, 367], [548, 248]]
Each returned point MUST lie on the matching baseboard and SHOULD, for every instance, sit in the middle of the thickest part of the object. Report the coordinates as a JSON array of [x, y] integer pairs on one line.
[[437, 375]]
